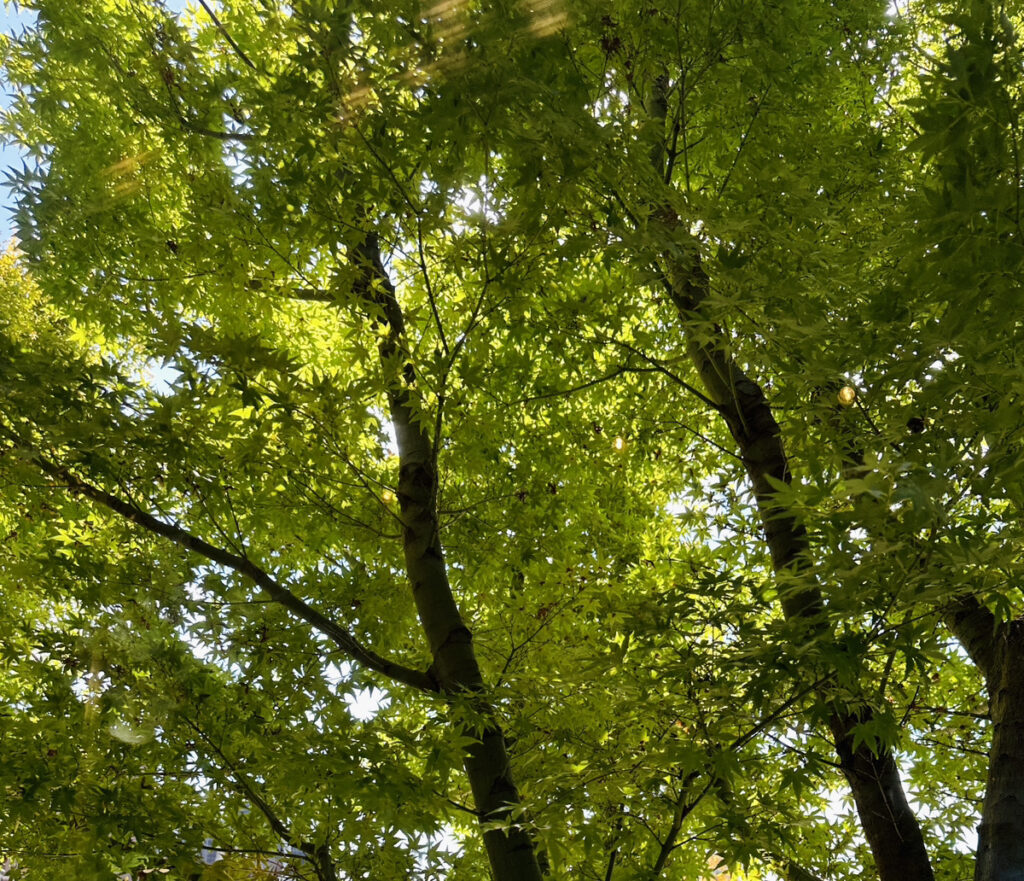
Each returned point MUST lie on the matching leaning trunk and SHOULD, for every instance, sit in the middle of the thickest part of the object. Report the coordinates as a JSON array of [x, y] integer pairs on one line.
[[889, 824], [510, 848]]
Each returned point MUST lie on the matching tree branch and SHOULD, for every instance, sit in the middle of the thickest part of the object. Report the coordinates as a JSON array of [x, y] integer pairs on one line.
[[276, 823], [975, 628], [661, 368], [190, 126], [682, 810], [277, 592], [227, 36], [312, 295], [793, 871], [564, 393], [317, 855]]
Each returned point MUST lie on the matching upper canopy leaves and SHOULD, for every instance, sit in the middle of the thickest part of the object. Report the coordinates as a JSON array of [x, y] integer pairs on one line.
[[187, 334]]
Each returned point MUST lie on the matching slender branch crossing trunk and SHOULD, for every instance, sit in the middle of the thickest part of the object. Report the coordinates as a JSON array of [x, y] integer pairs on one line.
[[510, 850], [889, 824]]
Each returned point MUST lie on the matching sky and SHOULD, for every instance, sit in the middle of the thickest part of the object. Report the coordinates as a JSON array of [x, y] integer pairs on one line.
[[11, 22]]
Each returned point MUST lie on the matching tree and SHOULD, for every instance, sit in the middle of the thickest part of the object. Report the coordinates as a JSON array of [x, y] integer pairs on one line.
[[621, 398]]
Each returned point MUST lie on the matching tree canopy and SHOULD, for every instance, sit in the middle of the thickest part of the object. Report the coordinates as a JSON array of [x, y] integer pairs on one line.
[[513, 439]]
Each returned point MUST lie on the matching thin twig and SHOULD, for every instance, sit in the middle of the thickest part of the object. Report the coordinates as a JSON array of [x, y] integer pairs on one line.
[[564, 393], [227, 36]]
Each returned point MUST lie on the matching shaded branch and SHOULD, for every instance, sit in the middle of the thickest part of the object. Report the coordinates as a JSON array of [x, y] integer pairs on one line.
[[793, 871], [311, 294], [563, 393], [243, 566], [743, 139], [276, 823], [317, 856], [614, 855], [188, 125], [220, 27], [661, 368], [683, 809], [429, 287]]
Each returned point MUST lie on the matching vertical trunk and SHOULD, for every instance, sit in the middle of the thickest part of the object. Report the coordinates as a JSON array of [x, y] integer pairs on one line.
[[1001, 833], [889, 824], [997, 649], [511, 851]]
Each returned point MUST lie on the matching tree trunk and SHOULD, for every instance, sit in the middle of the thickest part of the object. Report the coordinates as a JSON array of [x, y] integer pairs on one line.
[[511, 850], [889, 824], [1001, 833], [997, 648]]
